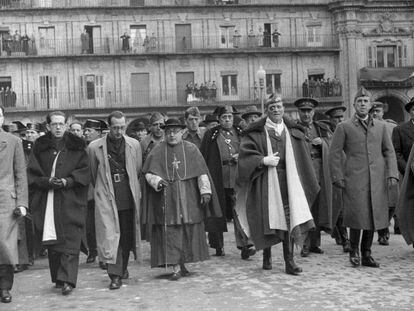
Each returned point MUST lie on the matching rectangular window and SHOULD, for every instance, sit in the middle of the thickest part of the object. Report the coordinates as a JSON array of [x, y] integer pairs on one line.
[[402, 55], [138, 35], [229, 85], [91, 87], [386, 56], [313, 35], [226, 37], [48, 91], [47, 40], [273, 83]]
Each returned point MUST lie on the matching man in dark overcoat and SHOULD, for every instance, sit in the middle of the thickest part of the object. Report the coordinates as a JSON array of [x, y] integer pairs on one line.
[[274, 160], [317, 136], [370, 167], [59, 176]]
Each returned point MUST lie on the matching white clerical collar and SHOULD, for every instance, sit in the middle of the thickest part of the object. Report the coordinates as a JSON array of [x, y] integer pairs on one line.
[[278, 127]]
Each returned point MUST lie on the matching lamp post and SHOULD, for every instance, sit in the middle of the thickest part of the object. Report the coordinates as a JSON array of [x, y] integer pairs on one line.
[[261, 76]]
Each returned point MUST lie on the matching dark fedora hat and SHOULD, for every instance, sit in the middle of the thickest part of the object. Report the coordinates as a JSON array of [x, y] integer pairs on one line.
[[172, 123], [211, 118], [225, 109], [306, 103], [33, 126], [409, 105], [250, 110]]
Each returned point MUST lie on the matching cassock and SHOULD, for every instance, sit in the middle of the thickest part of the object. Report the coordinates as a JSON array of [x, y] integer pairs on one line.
[[175, 215]]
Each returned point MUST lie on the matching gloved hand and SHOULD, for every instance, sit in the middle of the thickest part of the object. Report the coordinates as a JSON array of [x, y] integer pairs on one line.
[[19, 211], [272, 160], [205, 199], [317, 141], [392, 181], [339, 183], [162, 184], [55, 183]]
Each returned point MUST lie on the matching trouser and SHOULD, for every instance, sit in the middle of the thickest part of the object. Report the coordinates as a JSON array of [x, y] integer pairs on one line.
[[385, 232], [126, 238], [6, 277], [287, 249], [215, 239], [30, 239], [366, 241], [230, 199], [340, 233], [90, 227], [242, 240], [63, 267], [313, 238]]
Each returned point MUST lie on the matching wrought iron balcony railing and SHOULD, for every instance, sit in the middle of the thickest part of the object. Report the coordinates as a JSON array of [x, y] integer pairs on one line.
[[30, 46], [98, 98]]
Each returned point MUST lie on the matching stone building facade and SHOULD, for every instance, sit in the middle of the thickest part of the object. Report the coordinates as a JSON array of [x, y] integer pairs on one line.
[[90, 57]]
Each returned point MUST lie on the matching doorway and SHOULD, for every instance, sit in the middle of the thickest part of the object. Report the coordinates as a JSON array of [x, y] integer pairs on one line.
[[140, 89], [182, 37], [183, 78], [95, 39]]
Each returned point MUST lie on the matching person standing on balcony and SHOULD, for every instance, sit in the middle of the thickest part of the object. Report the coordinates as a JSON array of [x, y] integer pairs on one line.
[[153, 42], [85, 42], [317, 137], [214, 91], [125, 42], [220, 148], [14, 205], [25, 44], [17, 42], [259, 36], [59, 176], [236, 39], [116, 161], [370, 167], [275, 37], [275, 164], [251, 38]]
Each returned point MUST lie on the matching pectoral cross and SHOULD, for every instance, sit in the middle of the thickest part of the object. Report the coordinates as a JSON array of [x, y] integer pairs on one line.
[[175, 163]]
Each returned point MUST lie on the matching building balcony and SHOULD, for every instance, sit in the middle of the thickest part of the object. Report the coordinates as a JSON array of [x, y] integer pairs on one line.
[[99, 99], [166, 45]]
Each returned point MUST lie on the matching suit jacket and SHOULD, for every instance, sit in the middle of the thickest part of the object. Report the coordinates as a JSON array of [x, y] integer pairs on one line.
[[403, 139]]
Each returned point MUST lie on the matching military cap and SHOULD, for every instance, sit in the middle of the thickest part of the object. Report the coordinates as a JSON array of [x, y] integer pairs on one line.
[[211, 118], [172, 123], [362, 92], [225, 109], [33, 126], [376, 105], [306, 103], [409, 105], [274, 98], [20, 126], [93, 124], [250, 110], [10, 128], [336, 111], [192, 111], [104, 125]]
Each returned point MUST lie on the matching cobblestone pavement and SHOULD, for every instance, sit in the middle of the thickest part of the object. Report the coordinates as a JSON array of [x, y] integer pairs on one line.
[[229, 283]]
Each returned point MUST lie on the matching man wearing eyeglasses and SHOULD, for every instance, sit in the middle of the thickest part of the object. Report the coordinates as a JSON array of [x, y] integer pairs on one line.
[[115, 165], [59, 176]]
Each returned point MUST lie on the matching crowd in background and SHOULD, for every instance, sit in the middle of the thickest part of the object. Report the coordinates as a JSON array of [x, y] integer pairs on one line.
[[321, 87]]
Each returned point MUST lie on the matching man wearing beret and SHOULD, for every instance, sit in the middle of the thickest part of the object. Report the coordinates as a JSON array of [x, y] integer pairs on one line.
[[318, 136], [377, 112], [220, 148], [274, 161], [370, 167], [339, 233]]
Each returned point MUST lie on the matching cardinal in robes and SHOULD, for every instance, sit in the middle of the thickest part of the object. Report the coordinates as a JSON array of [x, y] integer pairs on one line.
[[180, 197]]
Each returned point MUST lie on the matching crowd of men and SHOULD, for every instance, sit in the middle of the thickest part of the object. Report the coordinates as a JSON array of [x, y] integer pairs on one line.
[[103, 186]]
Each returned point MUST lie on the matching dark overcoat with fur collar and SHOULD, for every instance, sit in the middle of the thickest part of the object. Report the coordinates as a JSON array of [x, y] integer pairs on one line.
[[69, 202]]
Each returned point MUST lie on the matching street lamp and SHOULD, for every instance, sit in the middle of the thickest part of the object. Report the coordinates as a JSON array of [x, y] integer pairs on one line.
[[261, 76]]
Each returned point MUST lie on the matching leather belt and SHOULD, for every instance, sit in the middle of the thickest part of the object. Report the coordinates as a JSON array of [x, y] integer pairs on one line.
[[229, 162], [119, 177]]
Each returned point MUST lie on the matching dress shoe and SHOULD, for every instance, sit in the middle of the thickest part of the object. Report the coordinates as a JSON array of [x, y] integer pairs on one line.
[[305, 251], [354, 258], [382, 240], [347, 246], [20, 268], [219, 252], [67, 289], [59, 285], [91, 257], [102, 265], [125, 275], [316, 250], [5, 296], [116, 282], [175, 276], [184, 271], [292, 268], [246, 252], [43, 252], [368, 261]]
